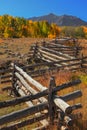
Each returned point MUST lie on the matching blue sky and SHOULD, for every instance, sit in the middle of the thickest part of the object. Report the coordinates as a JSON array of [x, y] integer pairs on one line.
[[31, 8]]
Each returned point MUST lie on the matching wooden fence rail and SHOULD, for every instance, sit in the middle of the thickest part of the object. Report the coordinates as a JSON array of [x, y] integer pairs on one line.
[[68, 97], [58, 58], [22, 113], [26, 122]]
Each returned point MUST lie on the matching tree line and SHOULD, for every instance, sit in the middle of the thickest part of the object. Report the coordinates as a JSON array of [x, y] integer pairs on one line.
[[17, 27], [70, 31]]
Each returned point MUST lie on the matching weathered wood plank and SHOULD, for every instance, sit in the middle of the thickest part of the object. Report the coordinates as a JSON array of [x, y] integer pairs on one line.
[[42, 99], [31, 80], [7, 88], [26, 122], [66, 108], [66, 85], [6, 76], [22, 113], [27, 86], [30, 104], [41, 71], [58, 45], [72, 96], [68, 97], [21, 92], [51, 56], [68, 120], [56, 52], [24, 82], [64, 119], [77, 106], [51, 63], [51, 108], [72, 65], [5, 71], [5, 81]]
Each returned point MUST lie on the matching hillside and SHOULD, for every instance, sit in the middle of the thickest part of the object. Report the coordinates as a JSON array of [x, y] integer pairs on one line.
[[64, 20]]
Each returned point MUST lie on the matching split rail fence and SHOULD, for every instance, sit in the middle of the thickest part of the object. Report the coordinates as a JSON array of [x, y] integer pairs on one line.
[[45, 103], [57, 56], [50, 57]]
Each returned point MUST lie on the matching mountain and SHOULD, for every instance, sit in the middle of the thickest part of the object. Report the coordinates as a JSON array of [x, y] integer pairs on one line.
[[64, 20]]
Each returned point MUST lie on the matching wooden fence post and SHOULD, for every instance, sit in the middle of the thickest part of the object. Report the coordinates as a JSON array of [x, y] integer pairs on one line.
[[81, 65], [60, 116], [35, 51], [77, 49], [13, 81], [51, 103]]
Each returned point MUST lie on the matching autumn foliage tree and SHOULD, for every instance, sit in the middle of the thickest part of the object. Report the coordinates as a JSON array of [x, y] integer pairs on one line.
[[70, 31], [20, 27], [85, 31], [55, 31], [17, 27]]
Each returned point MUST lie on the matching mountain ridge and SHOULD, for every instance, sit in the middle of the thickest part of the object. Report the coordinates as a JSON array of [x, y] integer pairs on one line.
[[63, 20]]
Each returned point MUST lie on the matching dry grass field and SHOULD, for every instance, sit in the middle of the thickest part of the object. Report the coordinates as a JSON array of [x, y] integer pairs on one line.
[[15, 46], [21, 46]]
